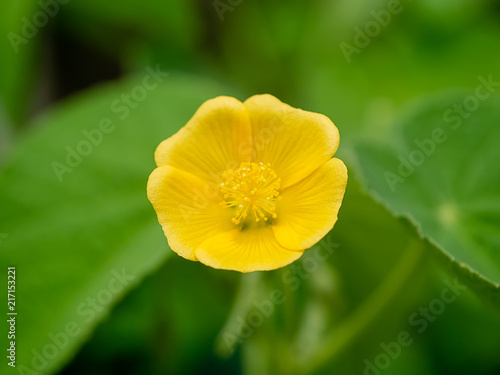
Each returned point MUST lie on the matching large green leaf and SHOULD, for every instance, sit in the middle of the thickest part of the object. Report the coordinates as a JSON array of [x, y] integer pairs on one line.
[[88, 233], [439, 167]]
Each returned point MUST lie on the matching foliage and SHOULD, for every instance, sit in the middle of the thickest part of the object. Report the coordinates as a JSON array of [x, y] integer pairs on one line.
[[415, 249]]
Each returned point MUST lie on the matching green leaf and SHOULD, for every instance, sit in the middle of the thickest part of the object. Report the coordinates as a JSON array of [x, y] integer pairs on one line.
[[79, 240], [439, 168]]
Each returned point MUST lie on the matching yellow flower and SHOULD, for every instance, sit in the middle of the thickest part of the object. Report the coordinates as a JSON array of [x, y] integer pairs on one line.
[[248, 186]]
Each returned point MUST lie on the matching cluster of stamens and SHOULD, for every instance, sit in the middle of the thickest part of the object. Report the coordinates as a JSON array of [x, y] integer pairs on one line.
[[252, 190]]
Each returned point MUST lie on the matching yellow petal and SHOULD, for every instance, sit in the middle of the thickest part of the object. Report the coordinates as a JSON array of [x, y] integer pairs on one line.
[[308, 210], [217, 138], [253, 249], [188, 209], [293, 141]]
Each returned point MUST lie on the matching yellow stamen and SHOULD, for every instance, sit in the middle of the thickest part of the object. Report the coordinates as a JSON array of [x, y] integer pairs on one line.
[[252, 190]]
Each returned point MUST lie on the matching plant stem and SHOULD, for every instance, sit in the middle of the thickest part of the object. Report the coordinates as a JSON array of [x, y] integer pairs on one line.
[[242, 303], [355, 324]]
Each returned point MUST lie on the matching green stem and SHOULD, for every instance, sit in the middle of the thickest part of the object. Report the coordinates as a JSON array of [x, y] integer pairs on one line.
[[355, 324], [246, 294]]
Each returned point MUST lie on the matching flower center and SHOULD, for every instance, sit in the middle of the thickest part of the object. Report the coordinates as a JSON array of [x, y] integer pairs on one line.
[[252, 190]]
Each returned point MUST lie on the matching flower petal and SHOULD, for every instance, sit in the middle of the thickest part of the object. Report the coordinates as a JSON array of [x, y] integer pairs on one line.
[[308, 210], [254, 249], [217, 138], [293, 141], [188, 209]]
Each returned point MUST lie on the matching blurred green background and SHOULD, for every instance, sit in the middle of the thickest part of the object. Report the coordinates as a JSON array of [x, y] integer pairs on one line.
[[385, 72]]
